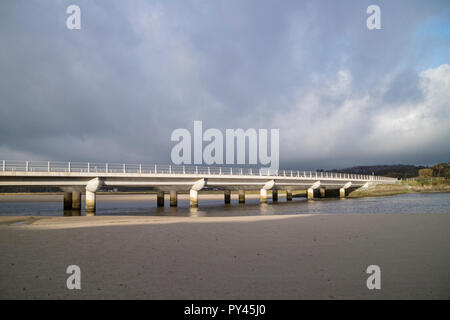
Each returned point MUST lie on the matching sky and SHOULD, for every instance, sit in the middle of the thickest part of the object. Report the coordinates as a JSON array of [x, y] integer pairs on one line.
[[340, 94]]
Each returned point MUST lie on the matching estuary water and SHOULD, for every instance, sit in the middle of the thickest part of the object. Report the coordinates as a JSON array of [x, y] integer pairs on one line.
[[138, 205]]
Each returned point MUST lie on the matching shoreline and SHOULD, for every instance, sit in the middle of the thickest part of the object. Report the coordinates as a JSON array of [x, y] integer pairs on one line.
[[264, 257]]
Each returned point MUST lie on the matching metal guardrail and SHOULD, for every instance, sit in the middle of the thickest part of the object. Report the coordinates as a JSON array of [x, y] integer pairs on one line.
[[95, 167]]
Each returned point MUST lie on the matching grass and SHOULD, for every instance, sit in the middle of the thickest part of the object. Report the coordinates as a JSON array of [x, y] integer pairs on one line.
[[419, 185]]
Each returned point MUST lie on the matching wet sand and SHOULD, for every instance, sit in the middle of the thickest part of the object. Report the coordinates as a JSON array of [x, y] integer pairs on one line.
[[260, 257]]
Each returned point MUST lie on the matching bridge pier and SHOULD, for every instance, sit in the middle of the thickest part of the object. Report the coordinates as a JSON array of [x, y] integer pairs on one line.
[[263, 195], [274, 195], [310, 194], [342, 190], [76, 200], [241, 196], [288, 195], [91, 188], [310, 191], [90, 203], [193, 198], [160, 199], [227, 196], [173, 198], [67, 200], [322, 192]]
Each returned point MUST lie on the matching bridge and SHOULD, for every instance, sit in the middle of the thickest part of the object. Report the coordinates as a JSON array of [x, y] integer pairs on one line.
[[74, 178]]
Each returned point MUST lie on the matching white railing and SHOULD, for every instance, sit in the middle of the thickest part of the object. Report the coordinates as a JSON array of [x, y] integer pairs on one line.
[[95, 167]]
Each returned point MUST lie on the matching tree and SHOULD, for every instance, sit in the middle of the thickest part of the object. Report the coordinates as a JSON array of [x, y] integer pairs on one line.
[[440, 169], [427, 172]]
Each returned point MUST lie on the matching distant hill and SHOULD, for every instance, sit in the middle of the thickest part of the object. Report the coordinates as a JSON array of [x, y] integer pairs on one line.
[[394, 171]]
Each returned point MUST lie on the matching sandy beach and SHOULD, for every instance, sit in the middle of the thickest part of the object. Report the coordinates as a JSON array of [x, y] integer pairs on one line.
[[260, 257]]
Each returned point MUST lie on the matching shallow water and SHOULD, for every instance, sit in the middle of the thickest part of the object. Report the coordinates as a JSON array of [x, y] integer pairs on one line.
[[406, 203]]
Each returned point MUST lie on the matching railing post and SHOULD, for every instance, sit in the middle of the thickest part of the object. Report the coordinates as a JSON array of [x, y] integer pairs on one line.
[[241, 171], [4, 165], [68, 166], [140, 168], [123, 165], [156, 169], [220, 170], [196, 170], [89, 167], [106, 167], [26, 166], [170, 169], [184, 170], [231, 171], [209, 170]]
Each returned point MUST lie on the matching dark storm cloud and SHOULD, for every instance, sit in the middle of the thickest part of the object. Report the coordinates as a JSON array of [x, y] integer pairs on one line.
[[116, 89]]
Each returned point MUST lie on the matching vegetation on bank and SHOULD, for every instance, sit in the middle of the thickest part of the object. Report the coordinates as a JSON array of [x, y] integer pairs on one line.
[[400, 171], [417, 185]]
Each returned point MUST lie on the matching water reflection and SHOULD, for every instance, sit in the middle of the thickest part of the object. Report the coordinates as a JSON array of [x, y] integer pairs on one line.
[[72, 213], [407, 203]]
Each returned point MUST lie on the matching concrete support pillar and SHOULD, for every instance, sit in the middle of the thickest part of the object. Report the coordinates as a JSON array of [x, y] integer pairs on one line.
[[90, 203], [193, 198], [322, 192], [310, 194], [160, 199], [342, 193], [173, 198], [274, 195], [288, 195], [241, 196], [67, 200], [227, 195], [263, 195], [76, 200]]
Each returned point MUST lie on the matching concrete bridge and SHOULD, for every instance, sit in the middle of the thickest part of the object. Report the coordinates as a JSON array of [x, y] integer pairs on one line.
[[73, 178]]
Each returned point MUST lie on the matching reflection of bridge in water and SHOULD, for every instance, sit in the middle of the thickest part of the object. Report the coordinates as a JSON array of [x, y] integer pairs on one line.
[[73, 178]]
